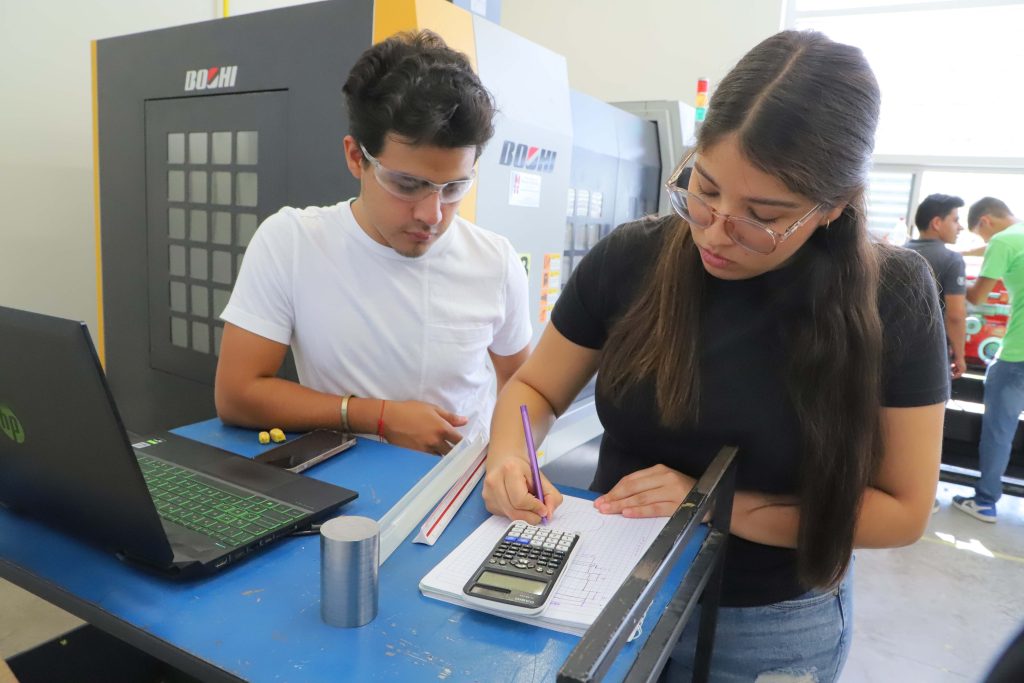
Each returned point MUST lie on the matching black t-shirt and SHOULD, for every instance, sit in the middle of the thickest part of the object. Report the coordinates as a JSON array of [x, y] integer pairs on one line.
[[743, 400], [947, 267]]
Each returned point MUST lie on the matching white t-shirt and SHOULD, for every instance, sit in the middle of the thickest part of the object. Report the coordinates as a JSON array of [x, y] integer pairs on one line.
[[362, 319]]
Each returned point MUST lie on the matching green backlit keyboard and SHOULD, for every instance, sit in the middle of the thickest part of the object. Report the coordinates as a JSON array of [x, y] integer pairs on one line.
[[231, 516]]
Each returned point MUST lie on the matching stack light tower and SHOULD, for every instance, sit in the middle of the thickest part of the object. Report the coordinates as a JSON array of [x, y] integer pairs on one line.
[[702, 101]]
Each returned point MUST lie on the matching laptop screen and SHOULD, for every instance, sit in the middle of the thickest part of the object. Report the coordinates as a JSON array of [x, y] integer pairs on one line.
[[64, 454]]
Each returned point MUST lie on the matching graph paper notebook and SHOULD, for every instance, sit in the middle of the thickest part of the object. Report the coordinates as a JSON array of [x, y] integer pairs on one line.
[[610, 545]]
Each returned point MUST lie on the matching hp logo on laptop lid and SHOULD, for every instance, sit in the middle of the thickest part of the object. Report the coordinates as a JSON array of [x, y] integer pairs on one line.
[[10, 425]]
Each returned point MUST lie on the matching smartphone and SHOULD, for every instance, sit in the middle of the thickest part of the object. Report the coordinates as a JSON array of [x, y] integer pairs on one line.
[[307, 450]]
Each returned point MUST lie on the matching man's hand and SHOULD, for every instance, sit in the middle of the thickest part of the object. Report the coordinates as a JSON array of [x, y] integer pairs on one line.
[[421, 426], [958, 367], [508, 491], [654, 492]]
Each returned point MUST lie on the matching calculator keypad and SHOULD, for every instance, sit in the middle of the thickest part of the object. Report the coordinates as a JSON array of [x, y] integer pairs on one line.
[[533, 549]]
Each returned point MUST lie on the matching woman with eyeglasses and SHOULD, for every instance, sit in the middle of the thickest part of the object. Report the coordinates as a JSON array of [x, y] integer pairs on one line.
[[758, 315]]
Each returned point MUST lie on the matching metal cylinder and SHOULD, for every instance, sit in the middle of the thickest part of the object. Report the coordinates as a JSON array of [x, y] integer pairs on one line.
[[349, 562]]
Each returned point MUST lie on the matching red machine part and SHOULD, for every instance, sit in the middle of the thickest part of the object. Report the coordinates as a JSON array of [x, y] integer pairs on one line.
[[986, 323]]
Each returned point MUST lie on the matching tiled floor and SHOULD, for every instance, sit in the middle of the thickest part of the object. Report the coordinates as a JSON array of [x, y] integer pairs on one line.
[[26, 621], [937, 611], [943, 608]]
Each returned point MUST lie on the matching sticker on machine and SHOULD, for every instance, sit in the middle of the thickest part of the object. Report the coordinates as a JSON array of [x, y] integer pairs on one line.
[[524, 189], [525, 260], [582, 202], [550, 285]]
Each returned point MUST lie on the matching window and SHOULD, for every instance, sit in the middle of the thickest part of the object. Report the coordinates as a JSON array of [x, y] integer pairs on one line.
[[889, 197], [945, 69], [950, 100]]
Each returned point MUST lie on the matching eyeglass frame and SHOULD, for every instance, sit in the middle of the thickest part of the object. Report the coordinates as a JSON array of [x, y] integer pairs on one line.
[[777, 237], [434, 187]]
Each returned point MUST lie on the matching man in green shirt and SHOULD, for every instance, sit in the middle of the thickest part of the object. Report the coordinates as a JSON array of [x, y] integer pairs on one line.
[[1004, 380]]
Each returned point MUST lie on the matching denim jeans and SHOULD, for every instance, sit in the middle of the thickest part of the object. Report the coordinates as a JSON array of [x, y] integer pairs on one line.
[[803, 640], [1004, 401]]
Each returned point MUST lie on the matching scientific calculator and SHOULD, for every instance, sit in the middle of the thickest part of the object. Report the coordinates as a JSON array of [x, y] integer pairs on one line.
[[523, 570]]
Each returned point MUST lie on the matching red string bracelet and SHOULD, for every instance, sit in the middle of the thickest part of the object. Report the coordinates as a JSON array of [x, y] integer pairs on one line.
[[380, 421]]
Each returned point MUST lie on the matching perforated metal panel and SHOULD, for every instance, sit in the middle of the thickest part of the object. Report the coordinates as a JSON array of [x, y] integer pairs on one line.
[[262, 131], [214, 171]]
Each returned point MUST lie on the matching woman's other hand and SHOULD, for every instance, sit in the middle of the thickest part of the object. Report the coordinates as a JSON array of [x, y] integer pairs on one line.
[[653, 492]]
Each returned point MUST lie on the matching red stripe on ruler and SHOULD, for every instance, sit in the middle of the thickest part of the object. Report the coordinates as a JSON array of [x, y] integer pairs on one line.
[[455, 497]]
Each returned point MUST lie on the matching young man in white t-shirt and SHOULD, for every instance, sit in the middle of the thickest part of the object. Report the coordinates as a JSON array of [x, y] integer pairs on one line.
[[394, 307]]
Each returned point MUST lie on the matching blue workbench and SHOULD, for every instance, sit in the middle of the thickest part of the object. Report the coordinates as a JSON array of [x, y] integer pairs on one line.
[[260, 620]]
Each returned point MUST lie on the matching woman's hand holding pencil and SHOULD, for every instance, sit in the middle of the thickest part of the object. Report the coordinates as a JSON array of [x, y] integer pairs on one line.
[[516, 488]]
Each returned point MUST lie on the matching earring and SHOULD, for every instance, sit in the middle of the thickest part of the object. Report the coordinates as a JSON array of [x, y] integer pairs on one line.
[[827, 223]]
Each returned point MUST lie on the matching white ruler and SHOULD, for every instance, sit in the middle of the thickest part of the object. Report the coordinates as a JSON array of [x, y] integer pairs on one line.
[[401, 519], [437, 521]]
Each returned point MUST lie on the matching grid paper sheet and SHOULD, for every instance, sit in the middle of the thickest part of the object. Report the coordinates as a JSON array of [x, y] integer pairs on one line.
[[610, 546]]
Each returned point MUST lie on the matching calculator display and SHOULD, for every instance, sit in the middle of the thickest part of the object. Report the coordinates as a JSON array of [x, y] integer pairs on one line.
[[523, 569], [510, 582]]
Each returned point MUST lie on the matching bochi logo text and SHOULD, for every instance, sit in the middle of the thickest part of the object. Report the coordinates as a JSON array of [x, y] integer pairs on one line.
[[211, 79], [528, 158]]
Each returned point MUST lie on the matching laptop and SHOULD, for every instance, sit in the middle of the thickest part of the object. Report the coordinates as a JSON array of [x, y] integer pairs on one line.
[[166, 502]]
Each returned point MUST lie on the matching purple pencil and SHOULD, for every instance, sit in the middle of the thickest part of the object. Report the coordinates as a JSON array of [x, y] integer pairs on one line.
[[534, 467]]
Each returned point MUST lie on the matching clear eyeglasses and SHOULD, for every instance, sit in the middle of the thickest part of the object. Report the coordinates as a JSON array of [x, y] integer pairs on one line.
[[752, 235], [412, 188]]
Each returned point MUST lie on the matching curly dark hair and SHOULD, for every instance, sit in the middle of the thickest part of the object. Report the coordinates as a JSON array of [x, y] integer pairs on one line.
[[416, 87]]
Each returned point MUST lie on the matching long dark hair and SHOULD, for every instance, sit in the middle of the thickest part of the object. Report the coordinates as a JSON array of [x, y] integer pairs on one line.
[[804, 109]]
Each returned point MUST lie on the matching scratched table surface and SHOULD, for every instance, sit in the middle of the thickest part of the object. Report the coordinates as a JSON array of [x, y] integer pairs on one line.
[[260, 620]]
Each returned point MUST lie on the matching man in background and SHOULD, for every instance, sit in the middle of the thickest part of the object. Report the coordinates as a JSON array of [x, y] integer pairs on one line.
[[938, 222], [402, 316], [1004, 380]]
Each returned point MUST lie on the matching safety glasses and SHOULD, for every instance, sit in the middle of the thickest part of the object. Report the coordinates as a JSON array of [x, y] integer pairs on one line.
[[411, 188], [752, 235]]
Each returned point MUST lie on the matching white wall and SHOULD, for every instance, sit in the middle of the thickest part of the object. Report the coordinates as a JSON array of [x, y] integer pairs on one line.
[[47, 245], [644, 49], [641, 49]]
